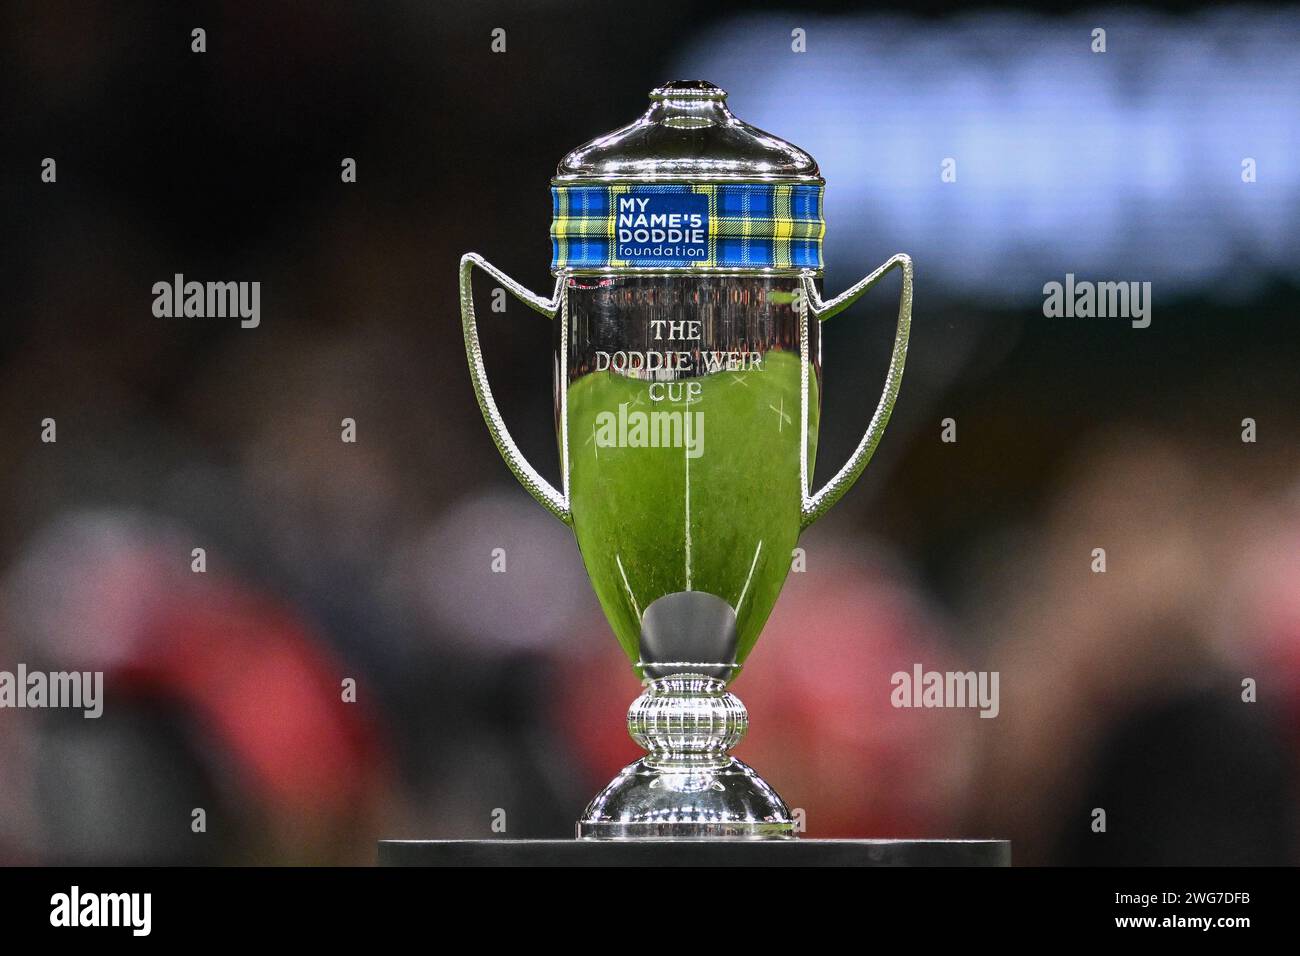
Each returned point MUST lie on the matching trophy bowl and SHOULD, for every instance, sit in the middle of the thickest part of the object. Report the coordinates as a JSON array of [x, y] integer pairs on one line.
[[687, 310]]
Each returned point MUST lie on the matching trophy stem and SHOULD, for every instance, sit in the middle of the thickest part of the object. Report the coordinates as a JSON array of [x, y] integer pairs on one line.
[[688, 785]]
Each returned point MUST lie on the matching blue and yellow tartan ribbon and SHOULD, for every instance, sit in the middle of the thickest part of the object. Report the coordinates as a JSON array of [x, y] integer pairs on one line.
[[701, 226]]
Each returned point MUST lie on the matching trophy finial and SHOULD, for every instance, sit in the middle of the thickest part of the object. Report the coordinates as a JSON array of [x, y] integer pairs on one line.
[[688, 89]]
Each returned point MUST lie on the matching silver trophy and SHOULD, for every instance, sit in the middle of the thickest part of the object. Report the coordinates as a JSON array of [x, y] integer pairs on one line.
[[687, 310]]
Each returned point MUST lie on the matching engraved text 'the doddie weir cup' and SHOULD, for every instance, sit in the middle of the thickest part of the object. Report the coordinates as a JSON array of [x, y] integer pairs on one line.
[[687, 255]]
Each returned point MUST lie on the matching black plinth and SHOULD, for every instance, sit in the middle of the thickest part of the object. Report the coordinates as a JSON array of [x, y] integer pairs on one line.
[[694, 853]]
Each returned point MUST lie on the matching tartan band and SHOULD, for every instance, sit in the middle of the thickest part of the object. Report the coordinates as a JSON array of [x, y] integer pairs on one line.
[[703, 226]]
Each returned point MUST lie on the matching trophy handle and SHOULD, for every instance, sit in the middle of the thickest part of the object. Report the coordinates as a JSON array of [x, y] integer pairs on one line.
[[816, 505], [547, 494]]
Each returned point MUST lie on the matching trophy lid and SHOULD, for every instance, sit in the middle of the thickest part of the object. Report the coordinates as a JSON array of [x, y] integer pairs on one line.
[[688, 135]]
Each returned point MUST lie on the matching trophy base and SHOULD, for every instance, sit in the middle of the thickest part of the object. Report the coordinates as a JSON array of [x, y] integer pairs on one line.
[[723, 799]]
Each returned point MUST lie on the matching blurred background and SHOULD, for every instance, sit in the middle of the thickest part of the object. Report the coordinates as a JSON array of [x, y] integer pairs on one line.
[[482, 694]]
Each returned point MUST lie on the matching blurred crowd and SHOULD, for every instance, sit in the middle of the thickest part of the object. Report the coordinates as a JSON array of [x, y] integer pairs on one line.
[[349, 665]]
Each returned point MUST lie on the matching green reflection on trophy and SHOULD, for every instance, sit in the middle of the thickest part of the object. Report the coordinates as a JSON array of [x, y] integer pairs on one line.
[[687, 311]]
